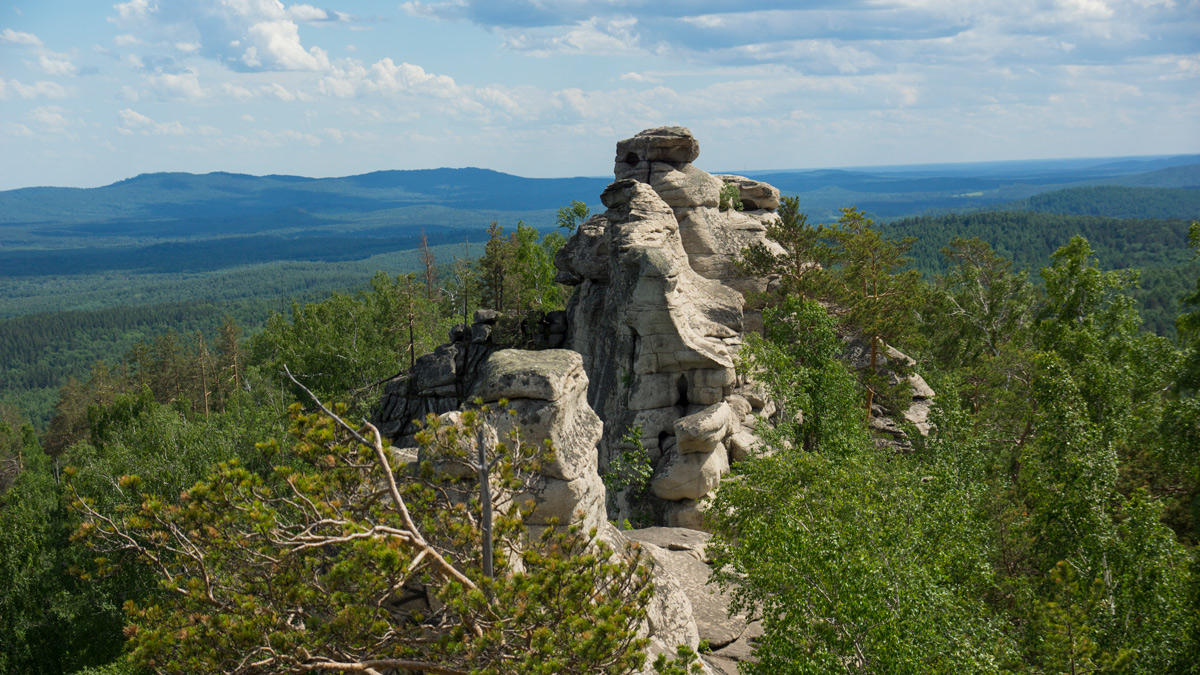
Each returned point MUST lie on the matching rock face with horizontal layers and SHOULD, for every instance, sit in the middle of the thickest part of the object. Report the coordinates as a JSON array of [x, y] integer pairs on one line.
[[547, 390], [659, 316]]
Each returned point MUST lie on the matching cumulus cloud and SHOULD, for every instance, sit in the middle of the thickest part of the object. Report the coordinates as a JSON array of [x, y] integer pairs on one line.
[[49, 116], [12, 37], [249, 35], [43, 89], [133, 122], [176, 86], [351, 78], [593, 36], [640, 77], [936, 30], [55, 65]]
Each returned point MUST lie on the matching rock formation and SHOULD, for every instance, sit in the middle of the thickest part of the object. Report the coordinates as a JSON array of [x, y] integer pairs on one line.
[[658, 315], [650, 340]]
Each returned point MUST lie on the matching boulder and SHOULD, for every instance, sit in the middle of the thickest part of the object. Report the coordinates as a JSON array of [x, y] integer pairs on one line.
[[661, 144], [703, 431], [688, 476], [755, 195], [544, 375]]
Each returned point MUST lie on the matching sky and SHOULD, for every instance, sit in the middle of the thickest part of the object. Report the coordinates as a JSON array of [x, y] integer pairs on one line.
[[93, 92]]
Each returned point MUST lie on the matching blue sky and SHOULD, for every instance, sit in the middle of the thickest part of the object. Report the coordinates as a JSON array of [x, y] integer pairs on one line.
[[93, 92]]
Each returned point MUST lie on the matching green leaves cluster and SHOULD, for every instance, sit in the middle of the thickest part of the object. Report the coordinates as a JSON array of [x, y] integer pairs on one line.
[[332, 560], [1041, 528]]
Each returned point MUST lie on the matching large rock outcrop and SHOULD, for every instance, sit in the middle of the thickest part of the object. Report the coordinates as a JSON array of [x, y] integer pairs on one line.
[[658, 315], [547, 390]]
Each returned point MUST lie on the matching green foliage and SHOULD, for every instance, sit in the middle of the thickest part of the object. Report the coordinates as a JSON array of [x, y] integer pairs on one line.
[[1158, 248], [301, 568], [686, 662], [517, 274], [627, 480], [730, 198], [801, 244], [571, 217], [345, 344], [798, 361], [50, 622], [1113, 201], [856, 559]]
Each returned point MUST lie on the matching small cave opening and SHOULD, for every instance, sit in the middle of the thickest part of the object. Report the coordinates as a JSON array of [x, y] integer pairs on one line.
[[630, 158], [682, 387]]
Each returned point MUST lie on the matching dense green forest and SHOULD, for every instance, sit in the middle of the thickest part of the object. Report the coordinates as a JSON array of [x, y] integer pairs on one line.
[[1113, 201], [1157, 249]]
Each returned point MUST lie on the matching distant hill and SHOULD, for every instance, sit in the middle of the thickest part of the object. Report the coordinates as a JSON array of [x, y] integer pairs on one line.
[[287, 200], [1113, 201], [897, 192]]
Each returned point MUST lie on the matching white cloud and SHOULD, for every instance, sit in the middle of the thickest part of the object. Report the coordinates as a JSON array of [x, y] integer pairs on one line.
[[238, 92], [126, 39], [306, 13], [132, 122], [593, 36], [278, 91], [279, 43], [350, 78], [52, 65], [175, 86], [49, 116], [1086, 9], [43, 89], [639, 77], [10, 36], [17, 130], [135, 9], [386, 76], [247, 34]]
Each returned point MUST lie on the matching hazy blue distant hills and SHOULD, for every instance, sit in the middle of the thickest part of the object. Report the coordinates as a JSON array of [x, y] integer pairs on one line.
[[215, 196], [188, 222]]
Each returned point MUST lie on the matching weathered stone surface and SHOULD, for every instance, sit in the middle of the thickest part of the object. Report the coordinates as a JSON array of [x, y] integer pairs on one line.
[[742, 445], [569, 423], [654, 390], [739, 405], [674, 539], [703, 431], [570, 502], [710, 607], [688, 476], [545, 375], [436, 369], [754, 194], [661, 144], [919, 388], [585, 255], [686, 186], [688, 513]]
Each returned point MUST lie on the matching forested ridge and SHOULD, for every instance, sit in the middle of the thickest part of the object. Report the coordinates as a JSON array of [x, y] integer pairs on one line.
[[1048, 524], [1156, 248]]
